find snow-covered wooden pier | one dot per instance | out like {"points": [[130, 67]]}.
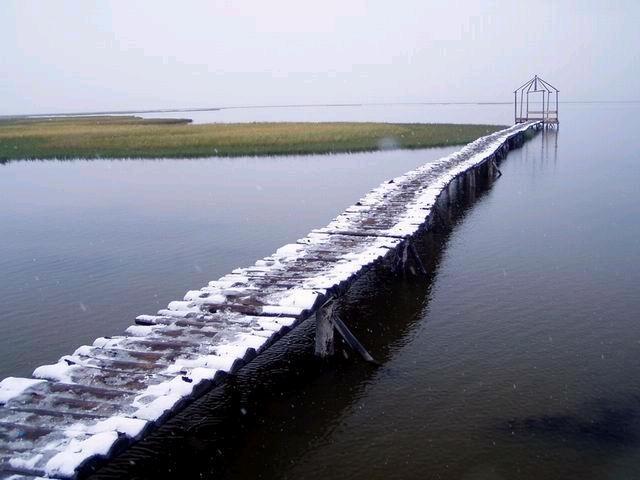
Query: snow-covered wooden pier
{"points": [[92, 404]]}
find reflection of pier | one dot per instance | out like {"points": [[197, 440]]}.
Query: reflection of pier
{"points": [[94, 403], [536, 100], [550, 142]]}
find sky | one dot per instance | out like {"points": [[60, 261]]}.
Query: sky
{"points": [[82, 56]]}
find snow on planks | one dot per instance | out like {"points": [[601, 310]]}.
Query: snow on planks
{"points": [[93, 403]]}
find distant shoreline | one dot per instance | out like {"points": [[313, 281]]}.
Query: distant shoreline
{"points": [[92, 137], [233, 107], [310, 105]]}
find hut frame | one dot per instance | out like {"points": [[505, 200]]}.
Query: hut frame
{"points": [[526, 108]]}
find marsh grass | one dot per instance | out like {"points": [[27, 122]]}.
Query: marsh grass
{"points": [[134, 137]]}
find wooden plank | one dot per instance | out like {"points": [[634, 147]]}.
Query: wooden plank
{"points": [[70, 398], [127, 381]]}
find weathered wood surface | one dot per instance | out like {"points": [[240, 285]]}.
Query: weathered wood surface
{"points": [[96, 401]]}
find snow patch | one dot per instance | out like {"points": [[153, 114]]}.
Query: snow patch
{"points": [[77, 451], [61, 372], [25, 463], [131, 427], [156, 399], [142, 330], [12, 387]]}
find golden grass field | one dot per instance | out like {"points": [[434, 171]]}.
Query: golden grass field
{"points": [[134, 137]]}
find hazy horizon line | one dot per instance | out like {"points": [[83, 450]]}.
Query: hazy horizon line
{"points": [[302, 105]]}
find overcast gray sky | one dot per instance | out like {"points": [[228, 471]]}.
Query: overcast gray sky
{"points": [[85, 56]]}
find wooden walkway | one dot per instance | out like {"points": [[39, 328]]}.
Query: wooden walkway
{"points": [[93, 403]]}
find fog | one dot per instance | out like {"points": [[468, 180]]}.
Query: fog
{"points": [[93, 56]]}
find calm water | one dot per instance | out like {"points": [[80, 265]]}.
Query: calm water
{"points": [[482, 113], [519, 358], [86, 246]]}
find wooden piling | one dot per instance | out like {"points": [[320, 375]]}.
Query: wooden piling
{"points": [[325, 328]]}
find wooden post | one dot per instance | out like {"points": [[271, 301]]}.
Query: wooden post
{"points": [[324, 330], [495, 166], [402, 263], [352, 341], [470, 184], [327, 322], [405, 257], [417, 259]]}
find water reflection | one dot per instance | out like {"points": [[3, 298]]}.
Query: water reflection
{"points": [[614, 423]]}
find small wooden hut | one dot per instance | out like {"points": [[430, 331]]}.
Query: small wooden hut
{"points": [[536, 100]]}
